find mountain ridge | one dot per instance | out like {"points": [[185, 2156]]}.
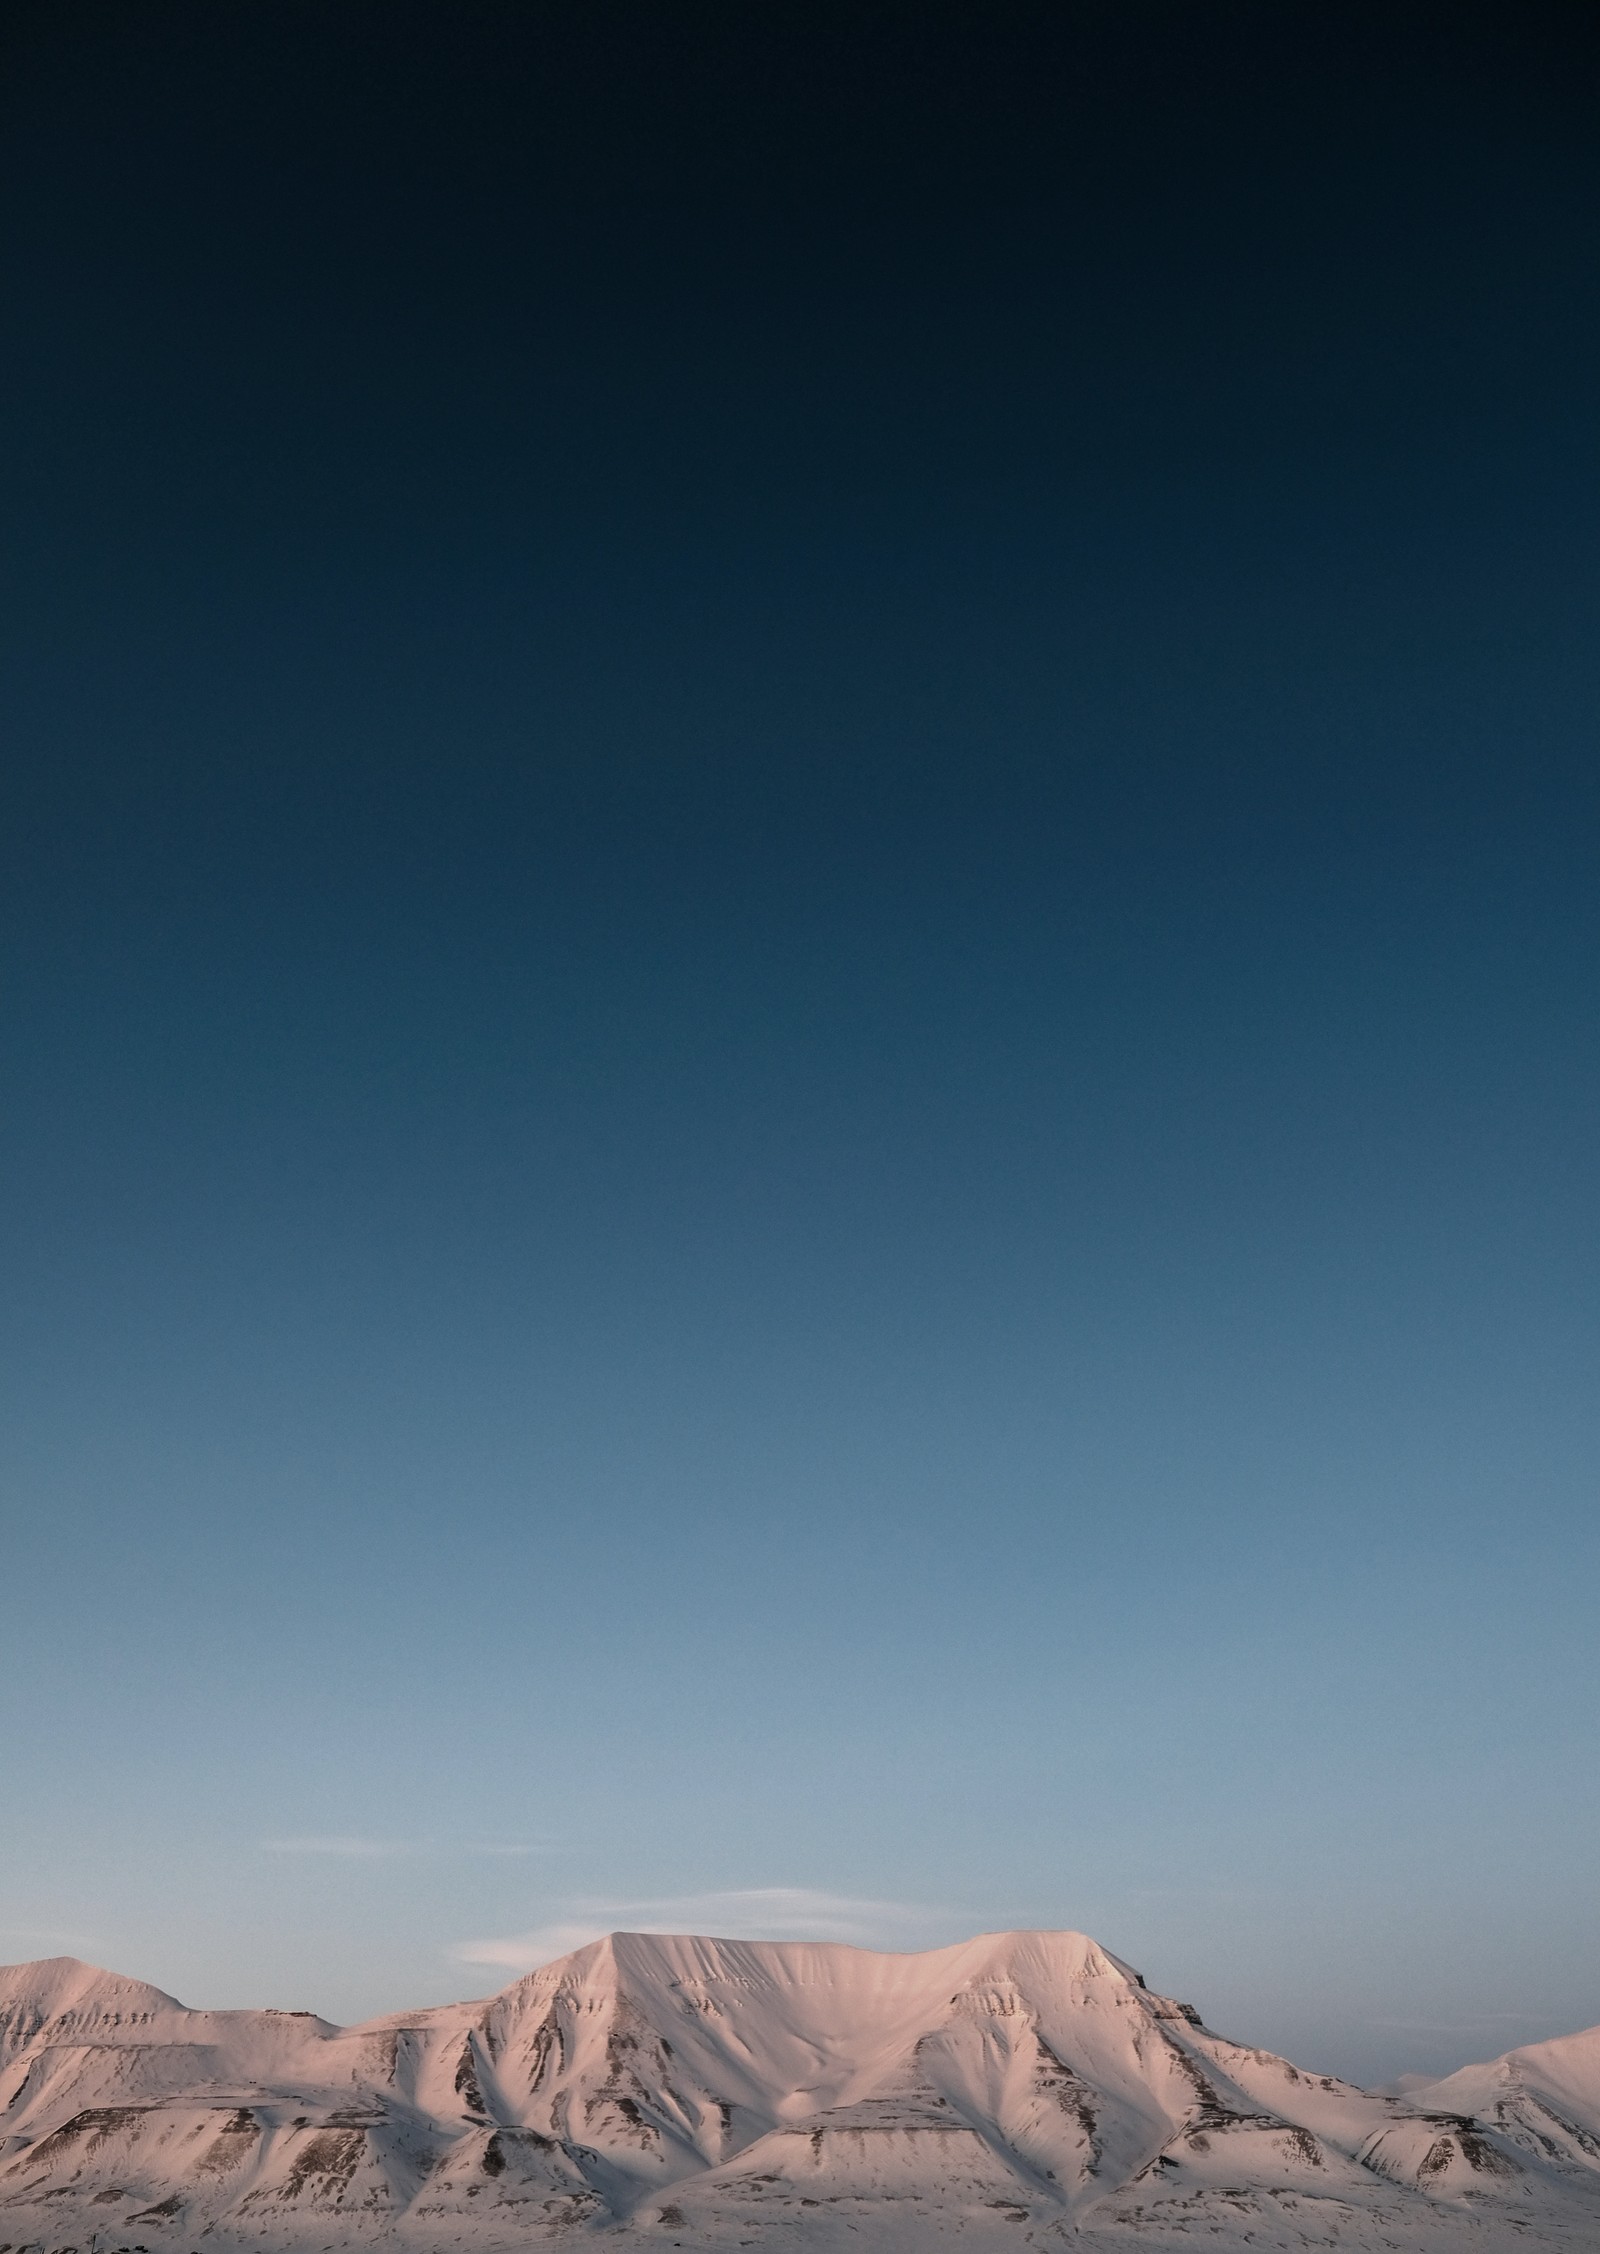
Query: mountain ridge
{"points": [[1015, 2088]]}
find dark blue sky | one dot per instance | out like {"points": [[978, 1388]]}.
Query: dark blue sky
{"points": [[799, 910]]}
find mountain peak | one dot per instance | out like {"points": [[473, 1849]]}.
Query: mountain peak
{"points": [[794, 2095], [60, 1983]]}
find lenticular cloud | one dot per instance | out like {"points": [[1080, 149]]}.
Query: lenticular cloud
{"points": [[756, 1913]]}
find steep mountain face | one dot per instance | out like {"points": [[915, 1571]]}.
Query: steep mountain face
{"points": [[670, 2091]]}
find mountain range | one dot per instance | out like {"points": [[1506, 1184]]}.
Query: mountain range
{"points": [[671, 2091]]}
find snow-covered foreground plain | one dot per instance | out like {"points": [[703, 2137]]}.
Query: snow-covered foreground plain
{"points": [[656, 2091]]}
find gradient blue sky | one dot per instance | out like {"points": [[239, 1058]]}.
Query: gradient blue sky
{"points": [[799, 912]]}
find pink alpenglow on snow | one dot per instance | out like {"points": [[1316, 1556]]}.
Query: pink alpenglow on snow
{"points": [[665, 2090]]}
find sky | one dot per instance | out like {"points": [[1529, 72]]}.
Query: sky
{"points": [[798, 1069]]}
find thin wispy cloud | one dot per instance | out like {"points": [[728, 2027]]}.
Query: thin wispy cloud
{"points": [[749, 1913], [355, 1846], [342, 1843]]}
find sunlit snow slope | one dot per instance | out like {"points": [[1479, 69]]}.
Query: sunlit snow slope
{"points": [[1021, 2088]]}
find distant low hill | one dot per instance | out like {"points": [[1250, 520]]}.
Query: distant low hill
{"points": [[1018, 2089]]}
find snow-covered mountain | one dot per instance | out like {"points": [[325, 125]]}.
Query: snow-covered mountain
{"points": [[665, 2091]]}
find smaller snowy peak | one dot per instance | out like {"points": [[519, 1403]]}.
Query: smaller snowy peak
{"points": [[1544, 2096], [1571, 2061], [57, 1984], [68, 1995], [73, 2000]]}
